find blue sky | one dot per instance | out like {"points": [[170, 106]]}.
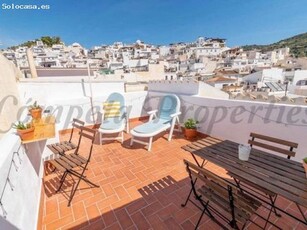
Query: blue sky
{"points": [[95, 22]]}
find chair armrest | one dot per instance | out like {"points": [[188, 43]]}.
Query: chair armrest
{"points": [[152, 112], [175, 114]]}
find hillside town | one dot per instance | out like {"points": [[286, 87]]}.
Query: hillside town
{"points": [[273, 75], [153, 115]]}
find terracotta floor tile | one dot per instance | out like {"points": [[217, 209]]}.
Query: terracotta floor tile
{"points": [[115, 226], [136, 205], [121, 192], [59, 223], [123, 218], [78, 224], [108, 217], [51, 217], [152, 209], [140, 221], [93, 212], [96, 224], [64, 210], [138, 190], [108, 190], [78, 210]]}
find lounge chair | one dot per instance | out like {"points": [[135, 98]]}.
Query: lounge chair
{"points": [[114, 118], [159, 121]]}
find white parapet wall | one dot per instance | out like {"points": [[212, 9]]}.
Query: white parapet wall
{"points": [[235, 120], [20, 184], [178, 87], [69, 98], [9, 98], [186, 88]]}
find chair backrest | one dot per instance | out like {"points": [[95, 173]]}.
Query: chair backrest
{"points": [[76, 124], [90, 134], [279, 145], [169, 104], [114, 107], [212, 180]]}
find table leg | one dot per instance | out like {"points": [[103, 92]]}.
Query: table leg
{"points": [[302, 213]]}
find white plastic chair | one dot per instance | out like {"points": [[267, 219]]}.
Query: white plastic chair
{"points": [[159, 121], [115, 118]]}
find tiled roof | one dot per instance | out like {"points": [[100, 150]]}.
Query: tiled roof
{"points": [[221, 79]]}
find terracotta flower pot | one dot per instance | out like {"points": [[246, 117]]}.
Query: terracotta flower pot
{"points": [[190, 133], [305, 167], [26, 134], [36, 113]]}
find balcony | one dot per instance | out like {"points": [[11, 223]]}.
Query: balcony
{"points": [[138, 189]]}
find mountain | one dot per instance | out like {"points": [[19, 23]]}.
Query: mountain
{"points": [[297, 45]]}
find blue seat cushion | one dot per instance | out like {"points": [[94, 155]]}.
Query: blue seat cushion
{"points": [[153, 126], [111, 124]]}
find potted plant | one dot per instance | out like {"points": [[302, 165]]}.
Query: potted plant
{"points": [[35, 111], [190, 128], [305, 165], [24, 130]]}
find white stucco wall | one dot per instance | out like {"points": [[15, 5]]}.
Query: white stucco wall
{"points": [[272, 75], [299, 75], [235, 120], [9, 98], [225, 119], [66, 99], [253, 77], [206, 90], [21, 201], [181, 87]]}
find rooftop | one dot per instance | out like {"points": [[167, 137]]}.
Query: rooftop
{"points": [[138, 190]]}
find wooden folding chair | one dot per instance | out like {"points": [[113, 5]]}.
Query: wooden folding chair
{"points": [[69, 163], [220, 199], [64, 146], [270, 144]]}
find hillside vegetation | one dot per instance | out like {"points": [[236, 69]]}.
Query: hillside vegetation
{"points": [[47, 40], [297, 45]]}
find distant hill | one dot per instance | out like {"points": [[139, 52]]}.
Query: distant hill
{"points": [[297, 45], [47, 40]]}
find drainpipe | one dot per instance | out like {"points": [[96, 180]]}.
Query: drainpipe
{"points": [[31, 63]]}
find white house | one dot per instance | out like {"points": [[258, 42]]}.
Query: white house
{"points": [[265, 75]]}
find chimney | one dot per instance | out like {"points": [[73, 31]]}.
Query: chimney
{"points": [[31, 63]]}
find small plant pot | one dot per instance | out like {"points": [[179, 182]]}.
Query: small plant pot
{"points": [[26, 134], [305, 167], [190, 133], [36, 113]]}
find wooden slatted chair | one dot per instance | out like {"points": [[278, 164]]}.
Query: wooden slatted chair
{"points": [[69, 163], [64, 146], [220, 199], [272, 144]]}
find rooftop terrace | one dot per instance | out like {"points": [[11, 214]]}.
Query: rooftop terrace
{"points": [[138, 190]]}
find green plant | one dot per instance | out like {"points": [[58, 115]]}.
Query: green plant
{"points": [[35, 106], [305, 160], [190, 123], [22, 126]]}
